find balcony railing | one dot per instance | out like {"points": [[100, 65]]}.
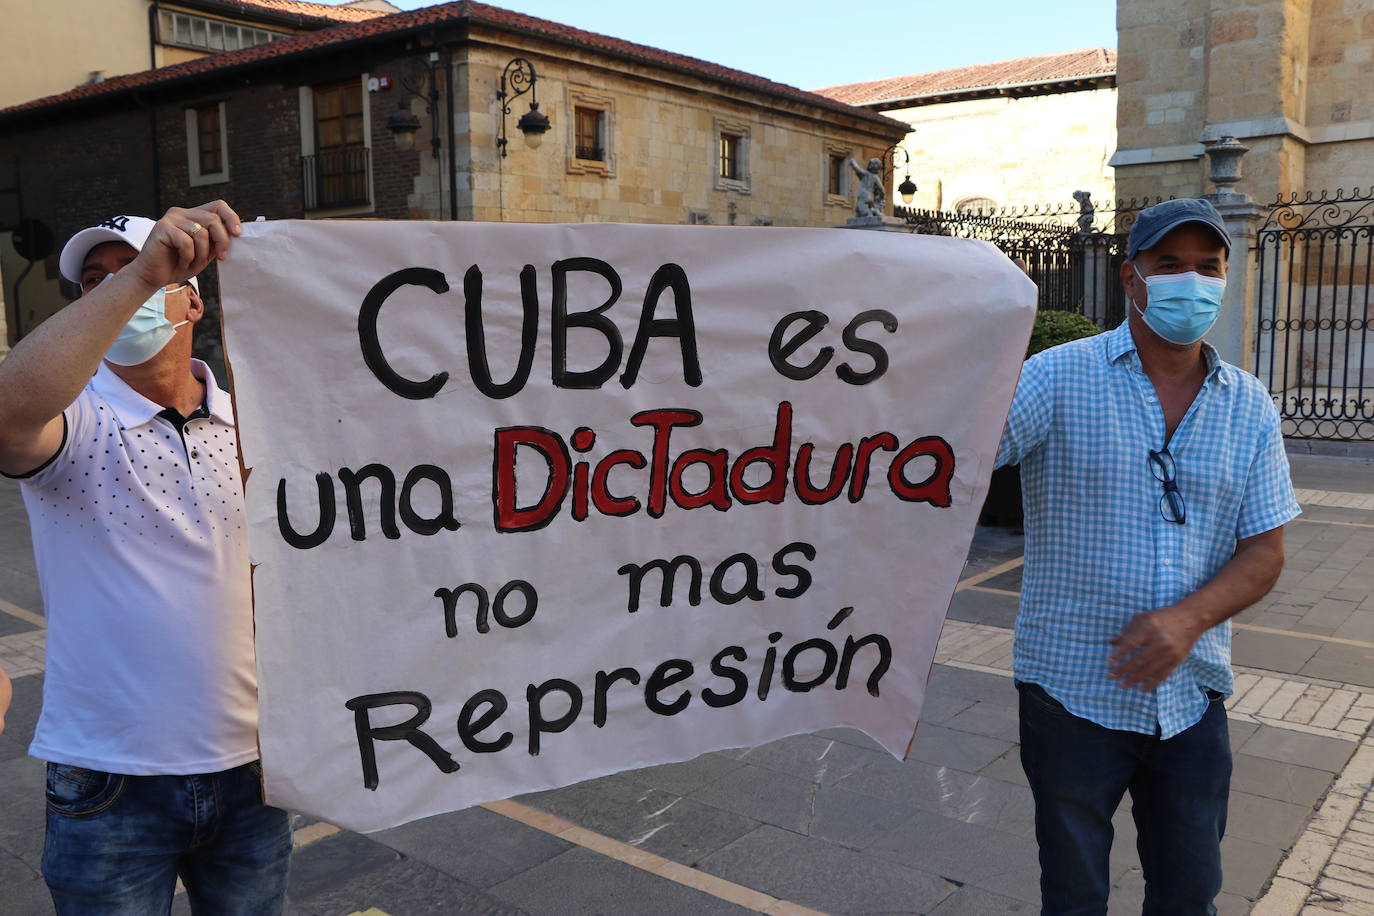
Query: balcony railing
{"points": [[336, 178], [594, 153]]}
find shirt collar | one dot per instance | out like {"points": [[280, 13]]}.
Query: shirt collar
{"points": [[1120, 342], [133, 409], [217, 400]]}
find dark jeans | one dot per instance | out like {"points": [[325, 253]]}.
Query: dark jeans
{"points": [[116, 844], [1078, 773]]}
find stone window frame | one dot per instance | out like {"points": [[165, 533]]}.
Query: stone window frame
{"points": [[961, 205], [196, 177], [306, 107], [846, 180], [742, 129], [586, 97]]}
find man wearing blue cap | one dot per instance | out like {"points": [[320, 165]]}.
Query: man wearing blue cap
{"points": [[127, 456], [1156, 489]]}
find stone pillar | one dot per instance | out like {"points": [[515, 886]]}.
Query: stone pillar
{"points": [[1098, 278], [1234, 333]]}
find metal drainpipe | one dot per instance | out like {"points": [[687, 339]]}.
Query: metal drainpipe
{"points": [[153, 10], [152, 35], [157, 160], [452, 151]]}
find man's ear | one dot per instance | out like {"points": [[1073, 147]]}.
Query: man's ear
{"points": [[195, 306], [1129, 280]]}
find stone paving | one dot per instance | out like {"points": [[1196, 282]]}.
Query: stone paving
{"points": [[1326, 709], [22, 654], [828, 822]]}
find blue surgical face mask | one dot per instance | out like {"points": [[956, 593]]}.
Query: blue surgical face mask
{"points": [[1181, 308], [146, 333]]}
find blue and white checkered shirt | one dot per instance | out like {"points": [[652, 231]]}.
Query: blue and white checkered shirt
{"points": [[1099, 550]]}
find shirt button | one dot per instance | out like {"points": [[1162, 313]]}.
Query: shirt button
{"points": [[194, 453], [1167, 562]]}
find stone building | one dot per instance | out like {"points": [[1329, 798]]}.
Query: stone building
{"points": [[1291, 79], [303, 127], [1027, 131], [65, 43]]}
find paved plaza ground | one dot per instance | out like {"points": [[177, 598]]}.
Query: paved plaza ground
{"points": [[828, 822]]}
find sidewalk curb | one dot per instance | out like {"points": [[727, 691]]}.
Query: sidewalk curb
{"points": [[1300, 874]]}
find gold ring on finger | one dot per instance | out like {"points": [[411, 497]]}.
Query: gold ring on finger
{"points": [[195, 227]]}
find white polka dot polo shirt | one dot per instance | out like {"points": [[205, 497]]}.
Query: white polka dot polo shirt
{"points": [[140, 538]]}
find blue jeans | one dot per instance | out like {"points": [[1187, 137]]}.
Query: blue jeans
{"points": [[116, 844], [1079, 772]]}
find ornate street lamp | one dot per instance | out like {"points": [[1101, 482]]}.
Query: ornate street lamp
{"points": [[907, 189], [517, 79], [403, 124]]}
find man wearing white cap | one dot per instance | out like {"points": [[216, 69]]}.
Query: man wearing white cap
{"points": [[126, 451]]}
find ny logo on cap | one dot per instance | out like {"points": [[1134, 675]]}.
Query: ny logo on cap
{"points": [[115, 222]]}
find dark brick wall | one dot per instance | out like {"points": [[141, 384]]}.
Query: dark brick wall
{"points": [[74, 173], [78, 167], [262, 145], [71, 175], [264, 142], [393, 171]]}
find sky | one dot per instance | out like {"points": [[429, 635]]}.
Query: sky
{"points": [[817, 43]]}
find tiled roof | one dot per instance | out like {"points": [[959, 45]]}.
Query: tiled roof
{"points": [[1043, 68], [447, 14], [314, 10]]}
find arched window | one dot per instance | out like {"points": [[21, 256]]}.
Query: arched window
{"points": [[975, 205]]}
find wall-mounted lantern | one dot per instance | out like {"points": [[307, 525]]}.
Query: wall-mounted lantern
{"points": [[517, 79]]}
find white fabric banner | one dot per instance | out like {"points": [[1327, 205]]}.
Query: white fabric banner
{"points": [[530, 504]]}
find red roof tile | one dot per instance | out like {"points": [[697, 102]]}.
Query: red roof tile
{"points": [[1043, 68], [428, 17]]}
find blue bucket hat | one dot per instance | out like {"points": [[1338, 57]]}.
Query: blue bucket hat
{"points": [[1161, 219]]}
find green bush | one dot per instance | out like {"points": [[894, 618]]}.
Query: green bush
{"points": [[1054, 328]]}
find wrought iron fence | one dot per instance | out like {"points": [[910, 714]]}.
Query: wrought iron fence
{"points": [[1315, 329], [336, 178], [1073, 252]]}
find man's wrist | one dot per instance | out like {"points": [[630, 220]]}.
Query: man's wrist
{"points": [[1190, 616], [138, 273], [126, 290]]}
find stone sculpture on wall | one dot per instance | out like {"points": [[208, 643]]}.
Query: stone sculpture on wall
{"points": [[868, 202]]}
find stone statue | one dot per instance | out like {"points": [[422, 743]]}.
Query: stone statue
{"points": [[869, 201], [1086, 213]]}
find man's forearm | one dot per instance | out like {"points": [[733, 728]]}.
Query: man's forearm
{"points": [[1156, 642], [48, 368], [1246, 578]]}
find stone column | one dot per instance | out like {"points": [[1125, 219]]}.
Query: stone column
{"points": [[1099, 280], [1234, 333]]}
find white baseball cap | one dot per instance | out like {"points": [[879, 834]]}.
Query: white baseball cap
{"points": [[132, 230]]}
